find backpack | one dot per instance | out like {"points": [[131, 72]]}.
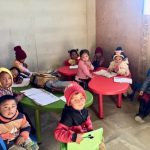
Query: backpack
{"points": [[39, 80]]}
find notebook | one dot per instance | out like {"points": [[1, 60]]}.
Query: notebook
{"points": [[73, 67], [88, 143], [40, 96], [123, 80], [105, 73]]}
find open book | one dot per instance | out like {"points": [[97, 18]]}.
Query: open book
{"points": [[40, 96], [91, 141], [73, 67], [105, 73], [123, 80]]}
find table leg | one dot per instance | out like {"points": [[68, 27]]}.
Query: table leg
{"points": [[38, 125], [119, 102], [100, 105]]}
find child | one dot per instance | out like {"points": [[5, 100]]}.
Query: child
{"points": [[98, 59], [85, 67], [74, 58], [118, 65], [14, 128], [17, 78], [118, 51], [6, 81], [75, 120], [144, 97], [20, 61]]}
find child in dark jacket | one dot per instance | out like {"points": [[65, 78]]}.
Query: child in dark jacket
{"points": [[144, 97], [14, 128], [98, 59], [75, 119]]}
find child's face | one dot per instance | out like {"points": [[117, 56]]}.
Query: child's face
{"points": [[98, 55], [85, 57], [15, 73], [118, 59], [8, 108], [77, 101], [74, 55], [5, 80]]}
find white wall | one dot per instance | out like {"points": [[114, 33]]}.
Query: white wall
{"points": [[46, 29]]}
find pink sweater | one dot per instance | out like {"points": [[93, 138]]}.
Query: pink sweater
{"points": [[84, 70]]}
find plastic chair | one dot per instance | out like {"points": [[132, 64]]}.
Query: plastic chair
{"points": [[2, 145], [137, 86]]}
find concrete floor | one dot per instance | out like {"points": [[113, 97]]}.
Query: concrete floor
{"points": [[121, 131]]}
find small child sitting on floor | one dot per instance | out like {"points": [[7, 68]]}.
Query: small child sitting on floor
{"points": [[14, 128], [20, 61], [144, 97], [74, 58], [75, 119]]}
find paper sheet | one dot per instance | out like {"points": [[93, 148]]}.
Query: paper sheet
{"points": [[105, 73], [123, 80], [87, 143], [40, 96], [73, 67], [63, 98]]}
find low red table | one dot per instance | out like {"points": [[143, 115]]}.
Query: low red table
{"points": [[106, 86], [66, 71]]}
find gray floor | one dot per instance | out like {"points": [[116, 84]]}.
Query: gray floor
{"points": [[121, 131]]}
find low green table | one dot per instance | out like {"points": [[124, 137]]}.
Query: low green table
{"points": [[54, 107]]}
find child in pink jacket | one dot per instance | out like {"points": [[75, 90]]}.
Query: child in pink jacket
{"points": [[85, 68]]}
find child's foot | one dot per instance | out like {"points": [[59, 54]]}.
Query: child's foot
{"points": [[139, 119]]}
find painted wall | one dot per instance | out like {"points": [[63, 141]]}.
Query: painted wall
{"points": [[122, 23], [45, 30]]}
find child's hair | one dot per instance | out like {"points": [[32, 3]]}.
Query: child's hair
{"points": [[84, 51], [6, 98], [20, 53], [73, 50]]}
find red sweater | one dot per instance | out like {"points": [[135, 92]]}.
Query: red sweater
{"points": [[72, 123]]}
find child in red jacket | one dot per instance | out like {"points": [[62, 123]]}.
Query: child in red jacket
{"points": [[75, 119]]}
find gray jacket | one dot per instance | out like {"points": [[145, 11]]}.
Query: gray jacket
{"points": [[146, 85]]}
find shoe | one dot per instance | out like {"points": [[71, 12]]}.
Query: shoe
{"points": [[139, 119]]}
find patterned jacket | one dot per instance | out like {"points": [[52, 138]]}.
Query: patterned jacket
{"points": [[72, 123], [122, 68], [10, 129]]}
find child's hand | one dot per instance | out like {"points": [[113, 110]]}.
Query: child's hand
{"points": [[79, 138], [19, 97], [109, 70], [141, 93], [20, 140]]}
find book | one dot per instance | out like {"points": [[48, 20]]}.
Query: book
{"points": [[105, 73], [88, 143], [123, 80], [40, 96], [73, 67]]}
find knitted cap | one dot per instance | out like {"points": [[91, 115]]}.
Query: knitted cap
{"points": [[99, 50], [72, 89], [20, 53], [2, 69]]}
